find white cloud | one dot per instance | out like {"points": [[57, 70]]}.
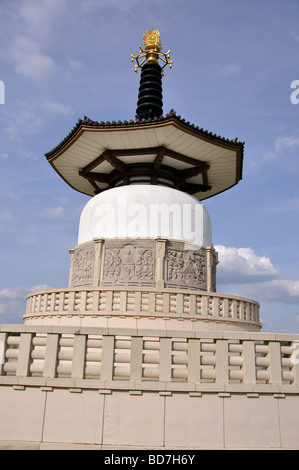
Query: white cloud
{"points": [[29, 120], [278, 290], [15, 293], [13, 196], [54, 212], [40, 17], [243, 272], [28, 155], [230, 69], [37, 13], [241, 265], [282, 146], [60, 199], [31, 37], [40, 287], [91, 5], [295, 36], [26, 122], [65, 211], [6, 215], [286, 142], [29, 60], [287, 205], [75, 65], [57, 108], [13, 303]]}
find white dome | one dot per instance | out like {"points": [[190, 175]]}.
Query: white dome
{"points": [[145, 211]]}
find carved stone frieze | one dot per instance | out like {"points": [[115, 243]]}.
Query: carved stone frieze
{"points": [[185, 268], [154, 263], [83, 265], [129, 262]]}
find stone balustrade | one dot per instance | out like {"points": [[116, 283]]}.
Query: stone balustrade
{"points": [[100, 358], [187, 309]]}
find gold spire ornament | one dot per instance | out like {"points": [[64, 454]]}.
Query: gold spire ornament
{"points": [[152, 51]]}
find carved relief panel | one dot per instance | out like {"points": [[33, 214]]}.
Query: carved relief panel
{"points": [[185, 268], [129, 263], [134, 263], [83, 265]]}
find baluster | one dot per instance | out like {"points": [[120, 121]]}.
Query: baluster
{"points": [[107, 363], [24, 355], [221, 361], [194, 360], [248, 354], [165, 359], [275, 362], [51, 355], [79, 353], [225, 308], [136, 358]]}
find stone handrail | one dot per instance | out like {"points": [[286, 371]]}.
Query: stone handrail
{"points": [[141, 359], [126, 301]]}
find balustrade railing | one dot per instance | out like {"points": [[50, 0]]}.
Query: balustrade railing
{"points": [[126, 301], [120, 355]]}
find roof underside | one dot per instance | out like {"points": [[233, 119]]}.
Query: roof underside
{"points": [[95, 156]]}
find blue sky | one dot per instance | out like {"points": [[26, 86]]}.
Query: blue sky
{"points": [[234, 62]]}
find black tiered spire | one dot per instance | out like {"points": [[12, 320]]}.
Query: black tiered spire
{"points": [[150, 104]]}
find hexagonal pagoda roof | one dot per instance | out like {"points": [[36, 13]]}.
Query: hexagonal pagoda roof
{"points": [[96, 156]]}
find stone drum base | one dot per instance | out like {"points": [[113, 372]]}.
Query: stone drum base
{"points": [[132, 307]]}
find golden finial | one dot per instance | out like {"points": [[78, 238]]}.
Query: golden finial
{"points": [[152, 51]]}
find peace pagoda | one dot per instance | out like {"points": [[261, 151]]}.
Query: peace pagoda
{"points": [[140, 351]]}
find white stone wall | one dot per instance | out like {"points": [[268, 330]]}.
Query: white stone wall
{"points": [[118, 388], [55, 418]]}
